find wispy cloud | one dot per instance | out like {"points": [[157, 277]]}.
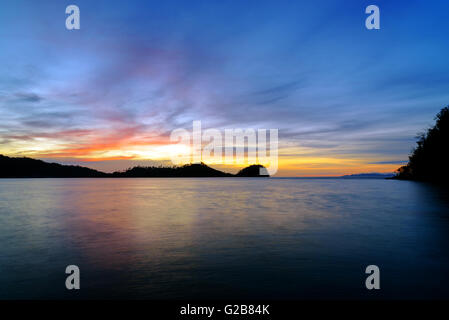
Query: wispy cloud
{"points": [[135, 72]]}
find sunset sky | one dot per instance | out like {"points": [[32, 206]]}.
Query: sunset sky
{"points": [[345, 99]]}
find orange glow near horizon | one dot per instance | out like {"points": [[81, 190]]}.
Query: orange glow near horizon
{"points": [[122, 148], [95, 156]]}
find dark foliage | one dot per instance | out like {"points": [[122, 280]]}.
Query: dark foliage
{"points": [[430, 157]]}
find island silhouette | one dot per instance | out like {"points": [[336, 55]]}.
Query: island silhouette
{"points": [[31, 168], [429, 159]]}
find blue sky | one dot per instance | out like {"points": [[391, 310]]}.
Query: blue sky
{"points": [[345, 99]]}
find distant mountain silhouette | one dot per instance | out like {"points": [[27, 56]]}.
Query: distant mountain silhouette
{"points": [[373, 175], [430, 158], [31, 168]]}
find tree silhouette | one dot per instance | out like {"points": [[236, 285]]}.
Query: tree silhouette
{"points": [[430, 157]]}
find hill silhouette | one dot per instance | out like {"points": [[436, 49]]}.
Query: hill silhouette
{"points": [[429, 159], [32, 168], [255, 170], [188, 170]]}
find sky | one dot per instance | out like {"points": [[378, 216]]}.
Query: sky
{"points": [[345, 99]]}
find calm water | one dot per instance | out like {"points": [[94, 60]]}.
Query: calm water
{"points": [[222, 238]]}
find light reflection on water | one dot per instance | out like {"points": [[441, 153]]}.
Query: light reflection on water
{"points": [[222, 238]]}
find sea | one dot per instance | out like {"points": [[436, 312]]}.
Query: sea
{"points": [[223, 238]]}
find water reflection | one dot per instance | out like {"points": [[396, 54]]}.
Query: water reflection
{"points": [[215, 238]]}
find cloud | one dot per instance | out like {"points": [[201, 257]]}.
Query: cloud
{"points": [[390, 162], [28, 97]]}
